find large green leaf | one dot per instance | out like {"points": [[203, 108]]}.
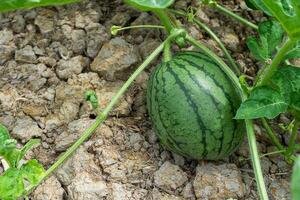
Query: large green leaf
{"points": [[294, 53], [8, 5], [287, 79], [287, 13], [11, 184], [270, 36], [258, 5], [4, 135], [295, 184], [148, 5], [32, 171], [262, 102]]}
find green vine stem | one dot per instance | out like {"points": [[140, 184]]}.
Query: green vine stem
{"points": [[214, 4], [115, 29], [167, 52], [249, 123], [293, 138], [165, 19], [271, 134], [102, 116], [214, 36], [269, 70]]}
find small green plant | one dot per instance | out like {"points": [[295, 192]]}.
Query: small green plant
{"points": [[19, 176], [276, 88]]}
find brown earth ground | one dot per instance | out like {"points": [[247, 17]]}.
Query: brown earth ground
{"points": [[50, 56]]}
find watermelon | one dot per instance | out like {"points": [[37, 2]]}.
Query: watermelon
{"points": [[192, 103]]}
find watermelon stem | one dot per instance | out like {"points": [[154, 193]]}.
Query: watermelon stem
{"points": [[268, 71], [293, 138], [213, 35], [167, 52], [165, 19], [102, 116], [249, 123], [115, 29], [214, 4]]}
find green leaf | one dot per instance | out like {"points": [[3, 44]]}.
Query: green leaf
{"points": [[295, 184], [91, 96], [262, 102], [260, 53], [293, 53], [287, 12], [287, 80], [29, 145], [9, 152], [4, 135], [8, 5], [270, 36], [32, 171], [148, 5], [11, 184], [258, 5]]}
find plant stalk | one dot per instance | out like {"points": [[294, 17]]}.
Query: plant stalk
{"points": [[226, 11], [269, 70], [101, 117], [167, 52], [249, 123], [255, 161], [116, 29], [214, 36], [271, 134], [165, 19], [293, 138]]}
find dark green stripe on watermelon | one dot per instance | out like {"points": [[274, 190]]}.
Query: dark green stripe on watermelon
{"points": [[191, 103]]}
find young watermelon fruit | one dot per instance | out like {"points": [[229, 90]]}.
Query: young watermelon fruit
{"points": [[191, 103]]}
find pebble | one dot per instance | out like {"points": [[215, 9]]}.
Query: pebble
{"points": [[218, 182], [25, 129], [67, 68], [26, 55], [49, 190], [169, 177], [115, 59]]}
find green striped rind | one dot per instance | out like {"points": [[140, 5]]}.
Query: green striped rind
{"points": [[192, 103]]}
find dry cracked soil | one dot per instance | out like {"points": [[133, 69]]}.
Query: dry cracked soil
{"points": [[50, 56]]}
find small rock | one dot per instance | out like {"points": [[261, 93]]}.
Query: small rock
{"points": [[108, 155], [18, 24], [115, 59], [169, 177], [69, 110], [178, 159], [49, 190], [66, 68], [78, 40], [75, 130], [218, 182], [6, 53], [188, 192], [45, 21], [86, 186], [6, 36], [81, 161], [50, 62], [96, 36], [35, 110], [26, 55], [232, 41], [25, 129], [157, 195], [280, 189], [119, 192]]}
